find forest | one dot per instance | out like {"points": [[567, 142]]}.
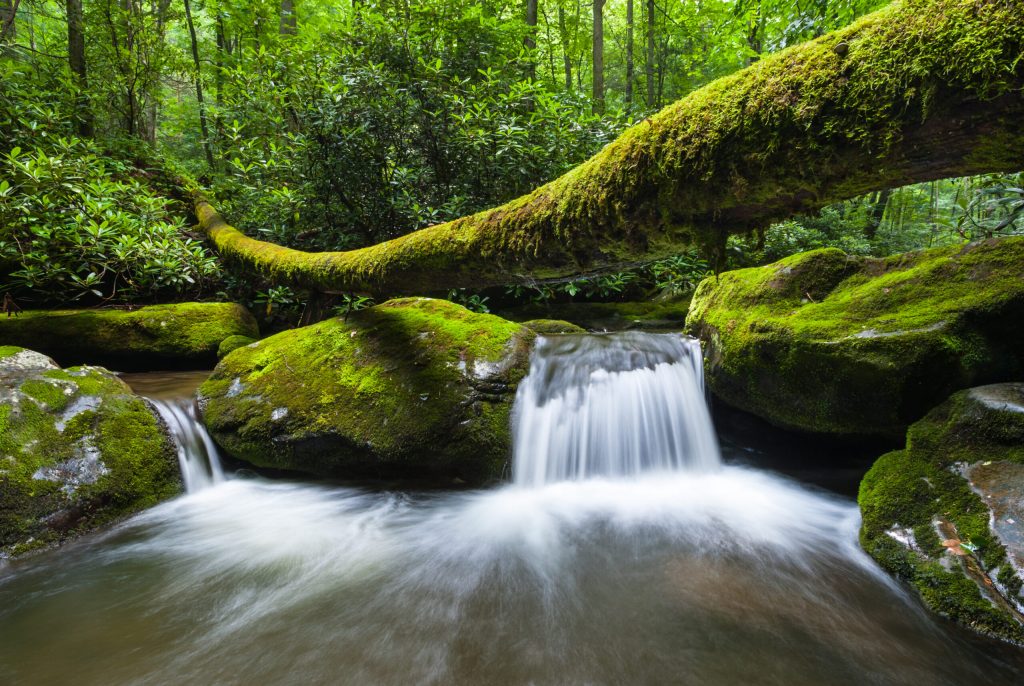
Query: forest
{"points": [[535, 342]]}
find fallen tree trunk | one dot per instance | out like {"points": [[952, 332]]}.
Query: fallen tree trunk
{"points": [[920, 90]]}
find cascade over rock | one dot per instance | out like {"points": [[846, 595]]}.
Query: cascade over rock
{"points": [[946, 514], [828, 343], [409, 388], [77, 450]]}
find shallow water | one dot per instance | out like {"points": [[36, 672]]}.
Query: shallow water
{"points": [[725, 575]]}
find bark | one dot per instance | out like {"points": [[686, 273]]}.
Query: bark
{"points": [[203, 128], [76, 61], [566, 56], [531, 37], [920, 90], [629, 55], [598, 60], [8, 27], [649, 62]]}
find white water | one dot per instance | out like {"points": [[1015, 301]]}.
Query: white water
{"points": [[600, 565], [612, 406], [197, 453]]}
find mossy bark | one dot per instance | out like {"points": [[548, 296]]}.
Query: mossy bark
{"points": [[920, 90]]}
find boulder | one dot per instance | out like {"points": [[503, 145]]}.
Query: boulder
{"points": [[828, 343], [946, 514], [175, 336], [552, 326], [411, 388], [77, 450]]}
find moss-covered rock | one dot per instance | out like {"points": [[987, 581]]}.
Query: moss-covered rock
{"points": [[181, 335], [612, 316], [552, 326], [410, 388], [77, 450], [946, 514], [232, 343], [829, 343]]}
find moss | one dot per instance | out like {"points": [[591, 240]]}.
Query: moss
{"points": [[552, 326], [923, 484], [925, 89], [827, 343], [233, 343], [53, 423], [157, 336], [409, 387], [668, 314]]}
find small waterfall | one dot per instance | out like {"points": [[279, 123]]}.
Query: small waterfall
{"points": [[612, 406], [197, 453]]}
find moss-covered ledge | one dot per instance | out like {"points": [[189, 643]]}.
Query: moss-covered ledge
{"points": [[827, 343], [175, 336], [920, 90], [946, 514]]}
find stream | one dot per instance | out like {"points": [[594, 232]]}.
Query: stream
{"points": [[627, 549]]}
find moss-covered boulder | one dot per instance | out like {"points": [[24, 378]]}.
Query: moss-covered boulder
{"points": [[652, 315], [946, 514], [552, 326], [410, 388], [176, 336], [77, 450], [232, 343], [829, 343]]}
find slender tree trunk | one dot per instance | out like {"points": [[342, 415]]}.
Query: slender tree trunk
{"points": [[877, 213], [8, 27], [76, 61], [531, 38], [566, 55], [598, 79], [222, 49], [629, 55], [289, 23], [649, 62], [204, 129], [754, 35]]}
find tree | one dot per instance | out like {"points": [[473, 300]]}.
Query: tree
{"points": [[649, 62], [629, 55], [76, 61], [531, 37], [598, 62], [204, 129]]}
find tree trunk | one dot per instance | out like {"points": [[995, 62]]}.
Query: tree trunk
{"points": [[531, 38], [203, 128], [877, 213], [629, 55], [755, 29], [804, 129], [566, 56], [8, 26], [76, 61], [649, 63], [598, 79], [289, 22]]}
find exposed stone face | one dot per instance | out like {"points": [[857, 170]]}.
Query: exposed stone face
{"points": [[946, 514], [410, 388], [181, 335], [828, 343], [77, 450]]}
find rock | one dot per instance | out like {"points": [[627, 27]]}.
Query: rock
{"points": [[828, 343], [410, 388], [946, 514], [77, 450], [232, 343], [552, 326], [655, 314], [181, 335]]}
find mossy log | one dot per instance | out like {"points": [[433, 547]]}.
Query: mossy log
{"points": [[920, 90]]}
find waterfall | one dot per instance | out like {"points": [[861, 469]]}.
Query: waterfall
{"points": [[611, 406], [197, 453]]}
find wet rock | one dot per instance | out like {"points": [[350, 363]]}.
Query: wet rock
{"points": [[828, 343], [407, 389], [946, 514], [77, 450]]}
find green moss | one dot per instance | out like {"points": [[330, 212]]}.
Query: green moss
{"points": [[233, 343], [917, 94], [552, 326], [175, 335], [916, 487], [827, 343], [606, 316], [50, 419], [410, 386]]}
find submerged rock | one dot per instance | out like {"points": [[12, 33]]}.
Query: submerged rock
{"points": [[829, 343], [946, 514], [180, 335], [410, 388], [77, 450]]}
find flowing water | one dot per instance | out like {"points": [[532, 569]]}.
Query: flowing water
{"points": [[664, 566]]}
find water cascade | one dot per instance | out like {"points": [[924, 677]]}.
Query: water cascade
{"points": [[197, 453], [612, 406]]}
